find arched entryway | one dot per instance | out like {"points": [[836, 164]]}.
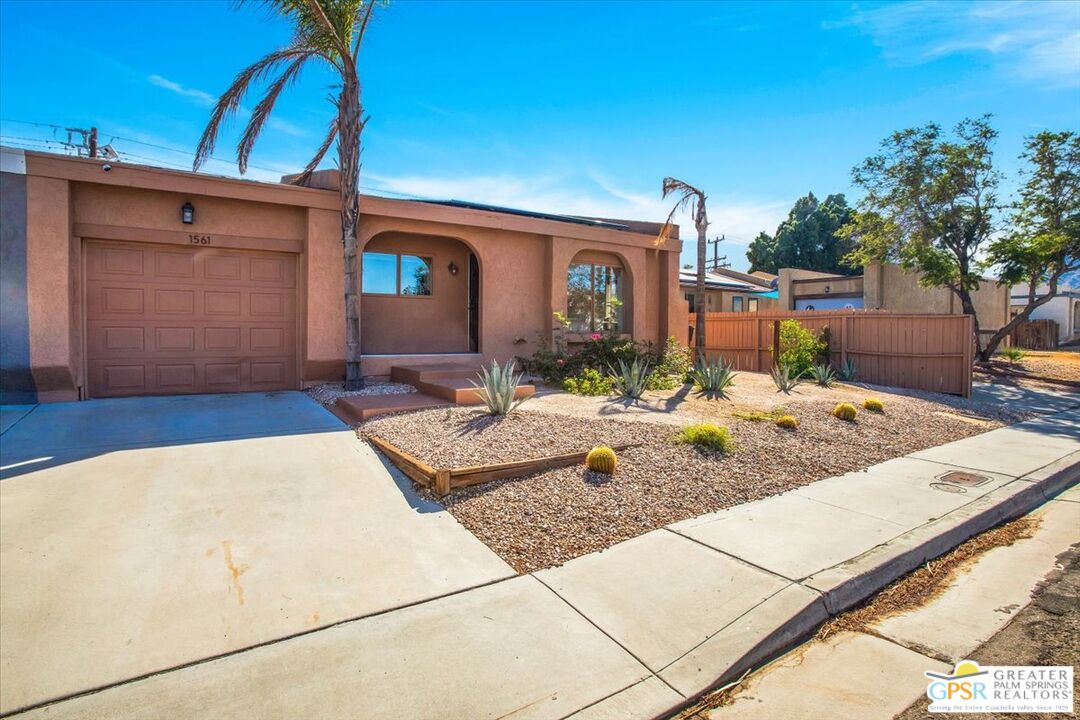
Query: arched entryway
{"points": [[420, 294]]}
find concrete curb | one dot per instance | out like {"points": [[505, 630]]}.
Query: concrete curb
{"points": [[845, 585]]}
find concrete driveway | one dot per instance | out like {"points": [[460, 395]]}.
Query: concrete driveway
{"points": [[144, 534]]}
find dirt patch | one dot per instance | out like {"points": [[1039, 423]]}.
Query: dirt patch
{"points": [[929, 581], [551, 517], [1046, 632]]}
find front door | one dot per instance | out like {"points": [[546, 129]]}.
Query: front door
{"points": [[474, 304]]}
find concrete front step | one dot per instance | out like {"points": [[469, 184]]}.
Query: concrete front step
{"points": [[413, 374], [449, 381], [359, 408], [462, 391]]}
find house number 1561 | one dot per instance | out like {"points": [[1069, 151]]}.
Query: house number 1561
{"points": [[199, 239]]}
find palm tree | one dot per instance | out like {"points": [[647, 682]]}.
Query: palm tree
{"points": [[690, 196], [330, 31]]}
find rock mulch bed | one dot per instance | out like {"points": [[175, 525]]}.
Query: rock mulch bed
{"points": [[328, 393], [551, 517]]}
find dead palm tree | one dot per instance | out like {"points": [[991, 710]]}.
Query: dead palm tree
{"points": [[329, 31], [690, 196]]}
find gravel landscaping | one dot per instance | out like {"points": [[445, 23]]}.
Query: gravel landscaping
{"points": [[551, 517], [328, 393]]}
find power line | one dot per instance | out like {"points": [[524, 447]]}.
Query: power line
{"points": [[182, 152]]}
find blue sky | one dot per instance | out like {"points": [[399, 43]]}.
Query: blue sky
{"points": [[579, 108]]}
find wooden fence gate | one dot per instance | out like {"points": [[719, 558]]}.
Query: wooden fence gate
{"points": [[923, 352]]}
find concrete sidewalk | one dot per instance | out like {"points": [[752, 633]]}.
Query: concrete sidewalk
{"points": [[637, 629], [879, 673]]}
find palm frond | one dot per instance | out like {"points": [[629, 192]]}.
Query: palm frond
{"points": [[262, 111], [368, 7], [327, 143], [229, 102], [688, 195]]}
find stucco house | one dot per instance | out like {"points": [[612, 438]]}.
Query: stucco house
{"points": [[121, 279], [1063, 308], [728, 290]]}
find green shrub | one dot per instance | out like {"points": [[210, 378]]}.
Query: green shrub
{"points": [[784, 377], [497, 388], [845, 411], [874, 405], [631, 379], [800, 349], [788, 422], [713, 378], [706, 435], [1012, 354], [601, 459], [672, 366], [589, 382]]}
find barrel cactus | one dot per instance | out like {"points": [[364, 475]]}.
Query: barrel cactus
{"points": [[845, 411], [601, 459], [874, 405], [788, 422]]}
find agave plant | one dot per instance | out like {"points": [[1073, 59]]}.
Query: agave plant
{"points": [[714, 378], [785, 377], [847, 370], [823, 375], [631, 380], [497, 387]]}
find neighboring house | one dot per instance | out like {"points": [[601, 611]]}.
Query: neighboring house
{"points": [[108, 290], [729, 291], [888, 287], [1063, 308]]}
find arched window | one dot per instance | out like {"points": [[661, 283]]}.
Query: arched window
{"points": [[594, 293]]}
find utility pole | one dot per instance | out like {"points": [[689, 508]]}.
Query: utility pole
{"points": [[93, 143], [718, 261]]}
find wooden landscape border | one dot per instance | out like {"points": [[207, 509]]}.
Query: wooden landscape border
{"points": [[443, 480]]}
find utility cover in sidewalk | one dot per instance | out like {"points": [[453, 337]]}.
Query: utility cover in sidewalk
{"points": [[963, 479]]}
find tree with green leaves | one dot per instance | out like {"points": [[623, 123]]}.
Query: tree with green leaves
{"points": [[330, 32], [693, 199], [1043, 243], [930, 205], [807, 239], [762, 253]]}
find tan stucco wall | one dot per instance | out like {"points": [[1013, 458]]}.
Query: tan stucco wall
{"points": [[50, 287], [523, 264], [889, 287], [436, 323], [324, 311]]}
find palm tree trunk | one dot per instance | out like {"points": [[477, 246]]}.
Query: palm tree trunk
{"points": [[349, 165], [699, 295]]}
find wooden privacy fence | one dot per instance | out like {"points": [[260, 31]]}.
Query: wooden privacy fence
{"points": [[923, 352], [1035, 335]]}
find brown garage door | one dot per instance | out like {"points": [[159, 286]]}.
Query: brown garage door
{"points": [[165, 319]]}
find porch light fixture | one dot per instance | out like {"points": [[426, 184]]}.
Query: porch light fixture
{"points": [[187, 213], [452, 267]]}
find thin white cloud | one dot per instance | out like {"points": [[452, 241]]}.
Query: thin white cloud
{"points": [[205, 99], [1027, 40], [202, 98]]}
